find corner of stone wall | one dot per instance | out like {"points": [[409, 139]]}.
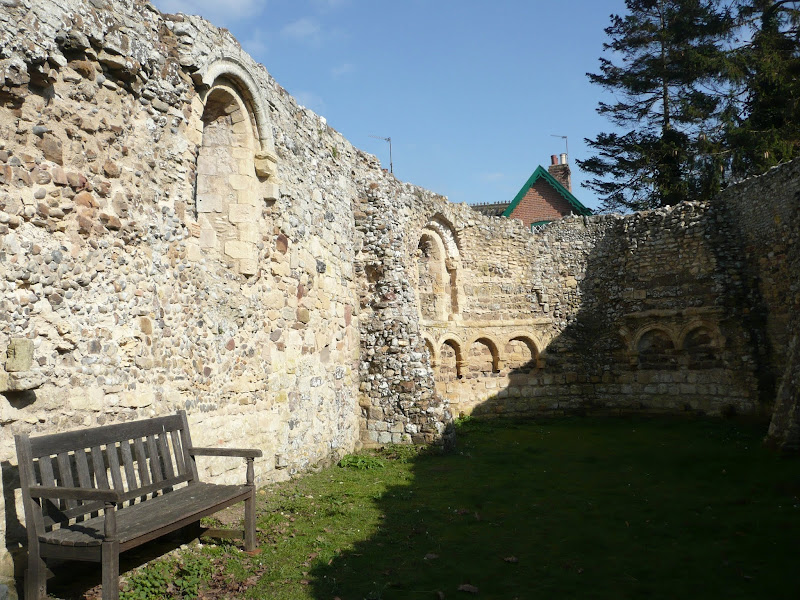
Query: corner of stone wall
{"points": [[397, 394]]}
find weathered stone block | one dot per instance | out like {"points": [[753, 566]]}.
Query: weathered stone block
{"points": [[271, 191], [265, 164], [239, 250], [240, 213], [19, 355], [248, 266]]}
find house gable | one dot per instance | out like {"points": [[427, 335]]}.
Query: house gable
{"points": [[543, 199]]}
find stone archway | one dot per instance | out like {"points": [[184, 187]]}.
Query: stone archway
{"points": [[438, 266], [235, 178]]}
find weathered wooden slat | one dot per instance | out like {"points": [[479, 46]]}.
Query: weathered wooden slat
{"points": [[100, 475], [141, 461], [177, 451], [112, 453], [82, 463], [153, 515], [107, 434], [154, 487], [77, 493], [166, 457], [155, 463], [50, 512], [81, 510], [239, 452], [65, 477], [127, 461], [186, 442], [46, 471]]}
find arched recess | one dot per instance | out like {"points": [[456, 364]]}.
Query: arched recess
{"points": [[431, 348], [236, 169], [232, 70], [701, 345], [484, 358], [431, 274], [438, 265], [655, 349], [450, 361], [520, 354]]}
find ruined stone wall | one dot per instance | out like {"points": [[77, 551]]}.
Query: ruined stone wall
{"points": [[598, 314], [653, 312], [764, 219], [175, 233], [684, 309]]}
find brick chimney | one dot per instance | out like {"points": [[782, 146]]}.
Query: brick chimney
{"points": [[559, 169]]}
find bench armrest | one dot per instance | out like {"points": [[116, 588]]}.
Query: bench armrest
{"points": [[237, 452], [72, 493]]}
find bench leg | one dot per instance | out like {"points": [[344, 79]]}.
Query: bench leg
{"points": [[110, 558], [250, 523], [35, 578]]}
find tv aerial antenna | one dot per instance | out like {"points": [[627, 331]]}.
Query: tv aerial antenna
{"points": [[566, 142], [386, 139]]}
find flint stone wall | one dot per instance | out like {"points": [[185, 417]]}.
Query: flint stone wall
{"points": [[177, 233], [133, 302], [689, 309]]}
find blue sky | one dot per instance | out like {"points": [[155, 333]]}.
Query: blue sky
{"points": [[470, 91]]}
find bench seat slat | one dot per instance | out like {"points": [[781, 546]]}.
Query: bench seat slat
{"points": [[91, 506], [153, 515]]}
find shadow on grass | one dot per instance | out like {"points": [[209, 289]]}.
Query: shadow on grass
{"points": [[612, 508]]}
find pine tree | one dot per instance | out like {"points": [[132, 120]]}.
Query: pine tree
{"points": [[767, 130], [667, 52]]}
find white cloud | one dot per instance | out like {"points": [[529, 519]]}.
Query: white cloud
{"points": [[304, 30], [342, 69]]}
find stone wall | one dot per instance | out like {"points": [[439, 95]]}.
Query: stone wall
{"points": [[177, 233], [763, 216], [690, 309]]}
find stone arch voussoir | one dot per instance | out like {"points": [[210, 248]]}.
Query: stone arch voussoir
{"points": [[233, 71]]}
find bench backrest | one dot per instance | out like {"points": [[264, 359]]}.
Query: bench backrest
{"points": [[140, 458]]}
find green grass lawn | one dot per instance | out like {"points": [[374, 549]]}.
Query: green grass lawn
{"points": [[572, 508]]}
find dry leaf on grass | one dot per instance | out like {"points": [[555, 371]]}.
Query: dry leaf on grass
{"points": [[466, 587]]}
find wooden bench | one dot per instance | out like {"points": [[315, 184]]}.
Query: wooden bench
{"points": [[94, 493]]}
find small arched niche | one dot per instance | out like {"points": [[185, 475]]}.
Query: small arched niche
{"points": [[656, 350], [483, 358], [521, 355], [450, 361], [702, 349]]}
